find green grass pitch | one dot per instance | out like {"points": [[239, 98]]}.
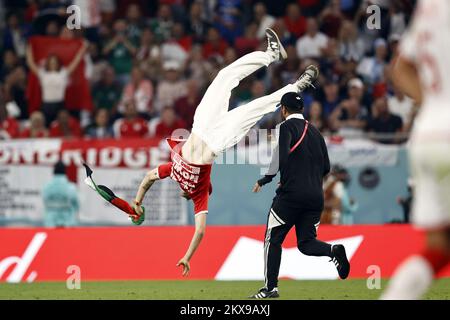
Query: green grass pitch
{"points": [[198, 290]]}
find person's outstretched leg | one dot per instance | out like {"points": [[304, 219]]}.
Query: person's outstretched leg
{"points": [[215, 101], [234, 125], [308, 244]]}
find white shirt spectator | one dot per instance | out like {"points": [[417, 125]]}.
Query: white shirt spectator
{"points": [[311, 47], [172, 51], [168, 93], [401, 107], [53, 85]]}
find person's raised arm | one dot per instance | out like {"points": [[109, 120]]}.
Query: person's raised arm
{"points": [[200, 227], [161, 172], [76, 61], [30, 60]]}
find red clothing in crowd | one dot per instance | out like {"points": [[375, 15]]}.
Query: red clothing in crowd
{"points": [[244, 45], [296, 27], [163, 131], [210, 49], [185, 43], [10, 126], [26, 133], [132, 128], [58, 131]]}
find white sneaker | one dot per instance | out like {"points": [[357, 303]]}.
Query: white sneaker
{"points": [[307, 78], [274, 46]]}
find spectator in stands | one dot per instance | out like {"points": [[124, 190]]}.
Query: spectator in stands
{"points": [[131, 125], [54, 79], [186, 105], [10, 62], [65, 126], [148, 47], [140, 90], [14, 36], [101, 129], [107, 92], [163, 22], [60, 197], [356, 91], [148, 56], [36, 128], [316, 117], [397, 18], [171, 87], [372, 69], [135, 23], [338, 207], [294, 21], [384, 122], [196, 25], [197, 67], [311, 7], [262, 19], [228, 19], [9, 127], [214, 44], [176, 48], [313, 43], [331, 98], [351, 46], [52, 29], [168, 123], [120, 52], [14, 93], [349, 119], [331, 19]]}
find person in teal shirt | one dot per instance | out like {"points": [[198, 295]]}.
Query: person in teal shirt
{"points": [[60, 200]]}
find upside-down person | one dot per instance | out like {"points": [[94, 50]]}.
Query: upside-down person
{"points": [[216, 129]]}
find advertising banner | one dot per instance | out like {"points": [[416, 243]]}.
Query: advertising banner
{"points": [[227, 253], [26, 166]]}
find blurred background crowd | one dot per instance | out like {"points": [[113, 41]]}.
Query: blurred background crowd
{"points": [[147, 64]]}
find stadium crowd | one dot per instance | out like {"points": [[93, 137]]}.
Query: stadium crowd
{"points": [[148, 63]]}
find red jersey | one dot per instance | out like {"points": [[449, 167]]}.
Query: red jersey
{"points": [[134, 128], [10, 126], [194, 179]]}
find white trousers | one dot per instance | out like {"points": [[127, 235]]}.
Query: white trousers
{"points": [[221, 129]]}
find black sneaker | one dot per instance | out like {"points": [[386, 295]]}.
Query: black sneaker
{"points": [[274, 45], [339, 258], [263, 293]]}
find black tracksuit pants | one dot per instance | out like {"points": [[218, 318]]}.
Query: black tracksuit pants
{"points": [[280, 221]]}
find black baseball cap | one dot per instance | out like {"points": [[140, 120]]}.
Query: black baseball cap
{"points": [[292, 101]]}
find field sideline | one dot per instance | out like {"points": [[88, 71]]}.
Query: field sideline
{"points": [[198, 290]]}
